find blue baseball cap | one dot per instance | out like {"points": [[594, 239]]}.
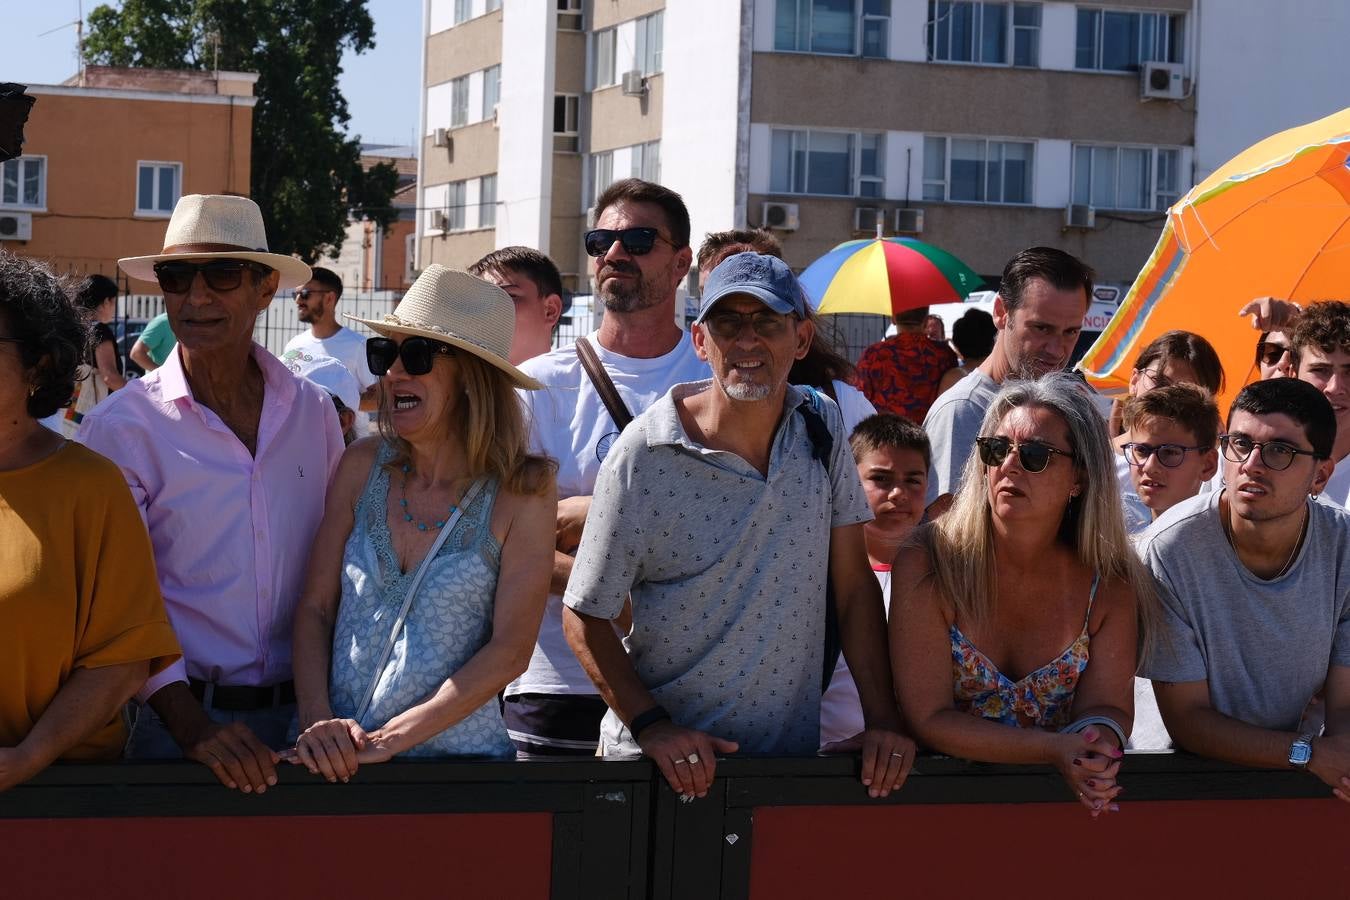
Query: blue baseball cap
{"points": [[766, 278]]}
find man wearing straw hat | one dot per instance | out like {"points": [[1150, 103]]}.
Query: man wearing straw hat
{"points": [[229, 455]]}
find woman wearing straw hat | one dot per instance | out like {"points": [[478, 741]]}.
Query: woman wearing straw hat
{"points": [[428, 578]]}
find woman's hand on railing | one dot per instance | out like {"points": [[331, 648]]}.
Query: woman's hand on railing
{"points": [[331, 748], [1090, 761]]}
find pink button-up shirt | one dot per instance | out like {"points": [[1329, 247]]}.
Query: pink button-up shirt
{"points": [[231, 532]]}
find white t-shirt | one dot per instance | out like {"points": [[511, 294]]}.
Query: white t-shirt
{"points": [[569, 422], [853, 404], [348, 348], [1337, 491], [841, 715]]}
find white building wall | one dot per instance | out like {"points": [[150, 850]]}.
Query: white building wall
{"points": [[1052, 167], [1059, 35], [525, 145], [909, 21], [701, 111], [904, 156], [763, 25], [1264, 67], [442, 15], [438, 107], [434, 197]]}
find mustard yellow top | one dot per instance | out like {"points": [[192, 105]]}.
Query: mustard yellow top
{"points": [[77, 589]]}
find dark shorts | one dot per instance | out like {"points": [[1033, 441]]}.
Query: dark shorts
{"points": [[554, 724]]}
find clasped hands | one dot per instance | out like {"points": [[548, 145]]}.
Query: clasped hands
{"points": [[335, 748], [1090, 762]]}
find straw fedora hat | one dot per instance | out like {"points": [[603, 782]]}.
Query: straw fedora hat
{"points": [[214, 226], [455, 308]]}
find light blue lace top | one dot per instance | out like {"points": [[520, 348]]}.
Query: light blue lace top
{"points": [[450, 620]]}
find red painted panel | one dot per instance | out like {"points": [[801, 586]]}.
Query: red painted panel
{"points": [[1246, 848], [242, 858]]}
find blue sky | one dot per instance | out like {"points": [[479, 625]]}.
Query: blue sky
{"points": [[381, 85]]}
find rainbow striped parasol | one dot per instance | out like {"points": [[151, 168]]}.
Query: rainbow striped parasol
{"points": [[886, 276]]}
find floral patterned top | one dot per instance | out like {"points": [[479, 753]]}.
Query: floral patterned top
{"points": [[901, 374], [1041, 699], [450, 620]]}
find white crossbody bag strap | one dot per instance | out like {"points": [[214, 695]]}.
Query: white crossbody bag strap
{"points": [[469, 496]]}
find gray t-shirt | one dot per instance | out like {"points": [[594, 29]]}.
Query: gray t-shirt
{"points": [[727, 571], [1264, 646], [953, 424]]}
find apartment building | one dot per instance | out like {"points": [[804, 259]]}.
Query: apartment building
{"points": [[108, 154], [371, 260], [982, 126]]}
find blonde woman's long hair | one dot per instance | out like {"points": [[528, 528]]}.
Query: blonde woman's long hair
{"points": [[961, 543], [491, 425]]}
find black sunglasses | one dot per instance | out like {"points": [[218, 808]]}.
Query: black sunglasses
{"points": [[636, 241], [1170, 455], [220, 275], [728, 325], [1033, 456], [417, 353], [1275, 455], [1269, 353], [305, 293]]}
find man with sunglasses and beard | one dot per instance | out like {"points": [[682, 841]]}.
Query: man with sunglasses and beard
{"points": [[1038, 313], [316, 305], [228, 455], [724, 511], [1255, 588], [640, 245]]}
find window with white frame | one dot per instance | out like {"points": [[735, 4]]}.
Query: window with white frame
{"points": [[459, 101], [986, 32], [605, 58], [157, 187], [1128, 178], [569, 15], [646, 161], [602, 173], [566, 122], [487, 201], [456, 202], [977, 170], [832, 163], [815, 26], [876, 28], [649, 43], [23, 183], [1121, 41], [463, 11], [492, 90]]}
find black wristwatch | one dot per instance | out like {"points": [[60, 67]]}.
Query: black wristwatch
{"points": [[1300, 752], [647, 719]]}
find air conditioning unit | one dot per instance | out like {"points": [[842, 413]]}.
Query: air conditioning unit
{"points": [[1080, 215], [441, 138], [16, 227], [496, 115], [868, 218], [909, 221], [1161, 81], [634, 84], [779, 216], [440, 221]]}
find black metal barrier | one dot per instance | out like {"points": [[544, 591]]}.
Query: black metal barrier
{"points": [[768, 828]]}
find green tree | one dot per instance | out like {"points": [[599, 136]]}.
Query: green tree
{"points": [[306, 171]]}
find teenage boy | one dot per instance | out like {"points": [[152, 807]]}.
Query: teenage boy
{"points": [[892, 456], [1171, 449], [1254, 583]]}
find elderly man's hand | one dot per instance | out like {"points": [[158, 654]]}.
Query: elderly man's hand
{"points": [[887, 757], [16, 767], [1331, 763], [686, 757], [235, 755]]}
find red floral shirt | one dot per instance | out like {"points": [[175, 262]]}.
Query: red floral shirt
{"points": [[900, 375]]}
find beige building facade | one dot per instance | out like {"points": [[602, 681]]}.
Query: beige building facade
{"points": [[981, 127]]}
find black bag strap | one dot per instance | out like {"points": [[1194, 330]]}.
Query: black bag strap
{"points": [[604, 385], [822, 448]]}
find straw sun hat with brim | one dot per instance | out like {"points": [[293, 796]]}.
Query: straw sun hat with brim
{"points": [[214, 226], [455, 308]]}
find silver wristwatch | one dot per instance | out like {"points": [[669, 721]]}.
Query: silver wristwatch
{"points": [[1300, 752]]}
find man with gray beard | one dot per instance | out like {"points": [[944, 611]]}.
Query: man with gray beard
{"points": [[641, 249], [726, 509]]}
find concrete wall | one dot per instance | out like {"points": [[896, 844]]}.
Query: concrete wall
{"points": [[607, 13], [525, 191], [466, 48], [90, 218]]}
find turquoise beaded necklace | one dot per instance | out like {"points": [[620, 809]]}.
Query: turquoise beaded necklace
{"points": [[408, 517]]}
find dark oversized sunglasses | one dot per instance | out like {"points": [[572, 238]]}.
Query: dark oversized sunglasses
{"points": [[636, 241], [728, 325], [417, 353], [1033, 455], [1170, 455], [220, 275], [1275, 455], [1269, 353]]}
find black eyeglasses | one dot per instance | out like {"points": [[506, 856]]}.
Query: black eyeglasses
{"points": [[220, 275], [1170, 455], [1275, 455], [1033, 455], [1157, 377], [1269, 353], [636, 241], [417, 353], [727, 325]]}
